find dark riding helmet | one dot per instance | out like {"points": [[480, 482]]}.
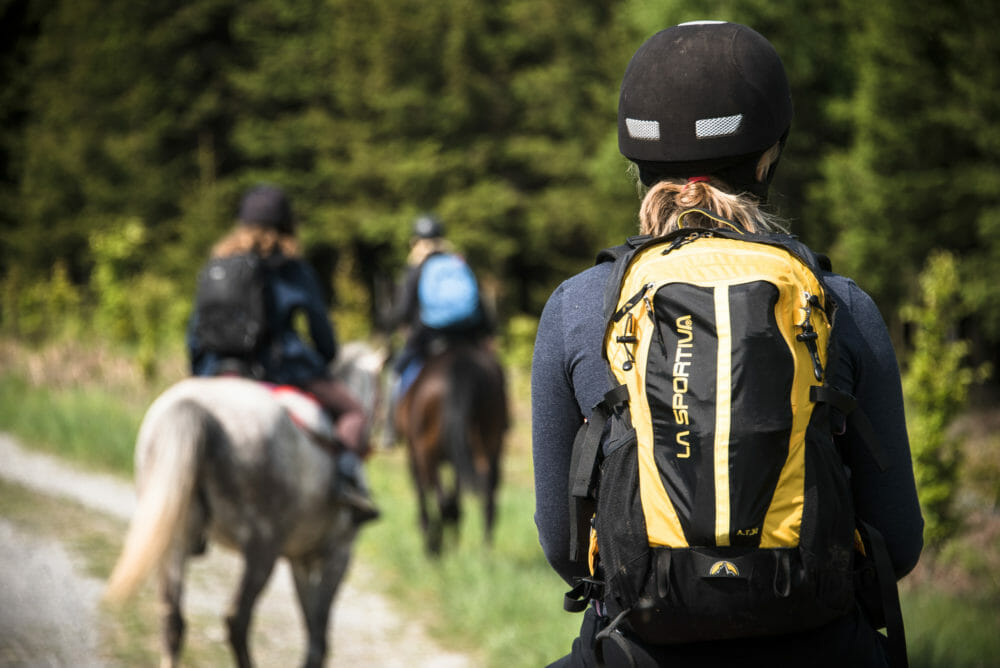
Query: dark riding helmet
{"points": [[428, 226], [267, 206], [704, 98]]}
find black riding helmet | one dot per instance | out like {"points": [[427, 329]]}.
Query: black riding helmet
{"points": [[265, 205], [704, 98], [428, 226]]}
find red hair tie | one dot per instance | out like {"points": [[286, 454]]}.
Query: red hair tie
{"points": [[698, 179]]}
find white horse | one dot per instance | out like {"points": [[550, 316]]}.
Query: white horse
{"points": [[222, 459]]}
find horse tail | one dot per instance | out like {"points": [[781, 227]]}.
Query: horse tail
{"points": [[171, 448], [459, 413]]}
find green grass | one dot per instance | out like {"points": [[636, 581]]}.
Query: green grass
{"points": [[502, 602], [949, 630], [89, 426]]}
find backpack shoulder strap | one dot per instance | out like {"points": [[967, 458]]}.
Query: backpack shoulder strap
{"points": [[848, 406], [621, 256], [615, 252]]}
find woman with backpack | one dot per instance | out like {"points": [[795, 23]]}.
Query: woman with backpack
{"points": [[265, 236], [463, 313], [704, 112]]}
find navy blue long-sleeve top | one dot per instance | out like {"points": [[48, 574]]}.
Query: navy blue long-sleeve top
{"points": [[569, 377]]}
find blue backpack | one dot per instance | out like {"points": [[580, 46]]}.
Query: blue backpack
{"points": [[447, 292]]}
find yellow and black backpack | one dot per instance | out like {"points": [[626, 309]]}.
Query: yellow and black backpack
{"points": [[707, 490]]}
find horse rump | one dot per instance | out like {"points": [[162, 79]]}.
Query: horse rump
{"points": [[475, 416]]}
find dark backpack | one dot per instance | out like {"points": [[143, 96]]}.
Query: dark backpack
{"points": [[707, 491], [231, 306]]}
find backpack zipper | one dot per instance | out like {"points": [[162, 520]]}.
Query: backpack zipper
{"points": [[632, 301]]}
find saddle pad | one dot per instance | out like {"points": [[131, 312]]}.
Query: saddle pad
{"points": [[305, 411]]}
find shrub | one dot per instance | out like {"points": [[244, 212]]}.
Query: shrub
{"points": [[936, 385]]}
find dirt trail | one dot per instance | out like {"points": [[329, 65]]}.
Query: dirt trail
{"points": [[49, 608]]}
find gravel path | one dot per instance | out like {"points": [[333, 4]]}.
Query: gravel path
{"points": [[49, 608]]}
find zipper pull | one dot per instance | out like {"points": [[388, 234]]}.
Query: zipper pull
{"points": [[628, 340], [809, 336]]}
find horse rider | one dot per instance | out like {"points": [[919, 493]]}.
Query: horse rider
{"points": [[423, 339], [266, 229]]}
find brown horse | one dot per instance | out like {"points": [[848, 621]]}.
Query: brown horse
{"points": [[455, 414], [222, 459]]}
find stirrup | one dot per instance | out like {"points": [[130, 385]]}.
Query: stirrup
{"points": [[362, 507]]}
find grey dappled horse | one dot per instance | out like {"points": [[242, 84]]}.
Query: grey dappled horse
{"points": [[221, 458]]}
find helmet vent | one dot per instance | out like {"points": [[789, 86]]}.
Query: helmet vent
{"points": [[646, 130], [722, 126]]}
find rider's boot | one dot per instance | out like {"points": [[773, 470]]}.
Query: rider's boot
{"points": [[352, 488]]}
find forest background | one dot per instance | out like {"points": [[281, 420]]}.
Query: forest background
{"points": [[128, 131]]}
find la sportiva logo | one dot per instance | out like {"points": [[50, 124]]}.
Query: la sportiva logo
{"points": [[682, 360], [724, 569]]}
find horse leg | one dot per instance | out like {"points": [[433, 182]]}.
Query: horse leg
{"points": [[490, 501], [450, 502], [419, 485], [171, 591], [316, 582], [425, 478], [434, 524], [258, 562]]}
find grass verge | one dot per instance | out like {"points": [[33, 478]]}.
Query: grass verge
{"points": [[502, 601], [943, 629], [89, 426]]}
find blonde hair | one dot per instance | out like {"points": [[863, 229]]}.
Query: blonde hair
{"points": [[264, 241], [423, 247], [665, 205]]}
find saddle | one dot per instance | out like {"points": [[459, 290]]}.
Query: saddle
{"points": [[308, 415], [435, 344]]}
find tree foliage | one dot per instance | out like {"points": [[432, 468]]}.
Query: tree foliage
{"points": [[500, 117], [921, 169]]}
